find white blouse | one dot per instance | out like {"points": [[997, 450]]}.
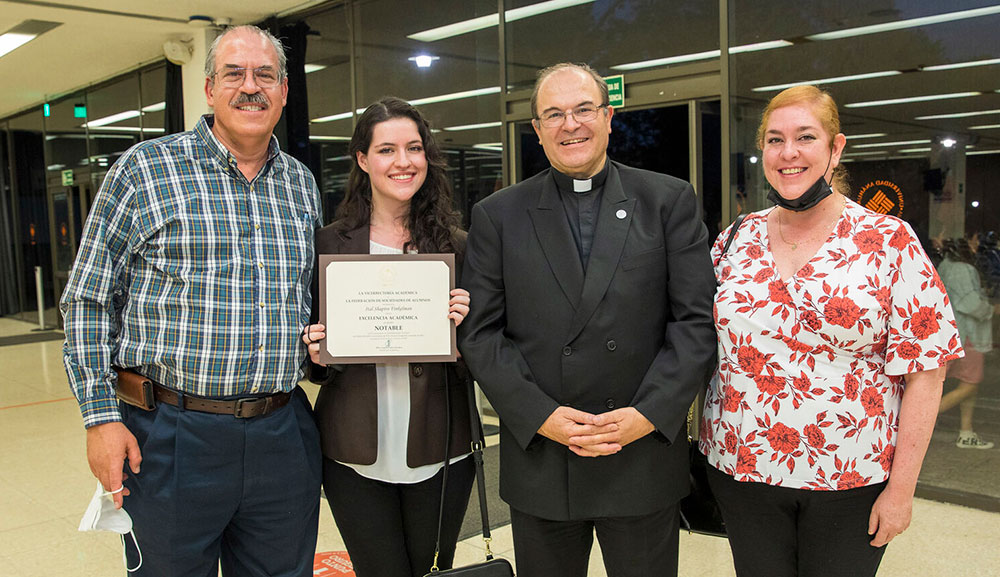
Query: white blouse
{"points": [[393, 383]]}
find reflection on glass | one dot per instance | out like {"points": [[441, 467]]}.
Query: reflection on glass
{"points": [[153, 83], [611, 36], [458, 92]]}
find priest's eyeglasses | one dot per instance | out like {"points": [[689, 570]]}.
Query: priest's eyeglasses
{"points": [[582, 113]]}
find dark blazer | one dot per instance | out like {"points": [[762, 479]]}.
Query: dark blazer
{"points": [[635, 330], [347, 405]]}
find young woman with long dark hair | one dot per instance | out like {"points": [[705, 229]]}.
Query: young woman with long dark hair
{"points": [[383, 426]]}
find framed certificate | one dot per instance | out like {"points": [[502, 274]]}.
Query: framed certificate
{"points": [[382, 308]]}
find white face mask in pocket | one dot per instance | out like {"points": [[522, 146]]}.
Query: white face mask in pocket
{"points": [[101, 515]]}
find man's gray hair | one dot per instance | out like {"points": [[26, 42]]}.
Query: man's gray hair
{"points": [[279, 48], [544, 73]]}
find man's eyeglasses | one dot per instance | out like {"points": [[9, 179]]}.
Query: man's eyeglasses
{"points": [[582, 113], [234, 76]]}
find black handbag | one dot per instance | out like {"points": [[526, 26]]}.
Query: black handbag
{"points": [[700, 510], [490, 567]]}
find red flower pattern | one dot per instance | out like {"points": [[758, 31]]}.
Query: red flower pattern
{"points": [[751, 360], [908, 350], [814, 436], [746, 461], [850, 480], [811, 319], [731, 442], [924, 323], [731, 399], [795, 407], [871, 400], [900, 239], [782, 438], [868, 241], [778, 293], [769, 384], [885, 457], [851, 386], [841, 311], [884, 297]]}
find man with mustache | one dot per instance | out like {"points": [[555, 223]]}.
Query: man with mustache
{"points": [[194, 273], [590, 332]]}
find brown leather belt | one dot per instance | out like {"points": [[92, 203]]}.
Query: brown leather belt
{"points": [[244, 408]]}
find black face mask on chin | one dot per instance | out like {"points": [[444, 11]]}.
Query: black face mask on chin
{"points": [[810, 198]]}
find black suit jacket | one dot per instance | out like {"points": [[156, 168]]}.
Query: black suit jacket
{"points": [[635, 330]]}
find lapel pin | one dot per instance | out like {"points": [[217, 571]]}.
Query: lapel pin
{"points": [[620, 214]]}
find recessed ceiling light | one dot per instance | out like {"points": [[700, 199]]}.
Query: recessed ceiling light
{"points": [[869, 135], [984, 126], [423, 60], [419, 101], [150, 129], [706, 55], [958, 114], [456, 95], [759, 46], [832, 80], [313, 67], [483, 22], [896, 143], [980, 152], [908, 99], [969, 64], [903, 24], [111, 119], [473, 126], [23, 33], [333, 117]]}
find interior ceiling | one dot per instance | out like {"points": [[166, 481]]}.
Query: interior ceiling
{"points": [[99, 39]]}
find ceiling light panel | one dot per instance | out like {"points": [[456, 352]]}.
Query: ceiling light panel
{"points": [[909, 99], [903, 24], [490, 20]]}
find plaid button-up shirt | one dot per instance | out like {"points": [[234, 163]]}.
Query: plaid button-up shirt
{"points": [[191, 274]]}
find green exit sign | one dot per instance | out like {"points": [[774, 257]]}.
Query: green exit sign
{"points": [[616, 90], [79, 111], [67, 177]]}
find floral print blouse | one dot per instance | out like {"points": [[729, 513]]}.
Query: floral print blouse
{"points": [[811, 368]]}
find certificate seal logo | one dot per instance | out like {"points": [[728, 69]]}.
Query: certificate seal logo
{"points": [[388, 276]]}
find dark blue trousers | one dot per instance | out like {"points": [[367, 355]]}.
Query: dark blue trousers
{"points": [[216, 488]]}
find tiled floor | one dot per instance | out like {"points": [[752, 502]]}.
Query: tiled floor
{"points": [[45, 485]]}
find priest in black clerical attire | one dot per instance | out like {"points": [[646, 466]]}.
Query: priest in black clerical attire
{"points": [[590, 332]]}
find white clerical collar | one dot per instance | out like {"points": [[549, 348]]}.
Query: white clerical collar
{"points": [[583, 185]]}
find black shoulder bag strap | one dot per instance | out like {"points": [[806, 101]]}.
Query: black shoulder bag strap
{"points": [[732, 233], [477, 456]]}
